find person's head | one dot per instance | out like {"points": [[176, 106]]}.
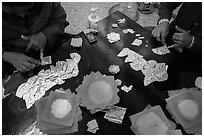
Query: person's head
{"points": [[16, 7]]}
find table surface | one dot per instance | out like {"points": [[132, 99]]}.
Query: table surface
{"points": [[98, 57]]}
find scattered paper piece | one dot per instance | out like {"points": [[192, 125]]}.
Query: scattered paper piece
{"points": [[125, 31], [149, 80], [90, 35], [137, 42], [129, 30], [140, 37], [129, 7], [76, 57], [130, 57], [152, 63], [161, 50], [76, 42], [115, 114], [118, 82], [121, 20], [114, 25], [123, 53], [156, 72], [126, 89], [137, 35], [114, 69], [92, 126], [113, 37], [46, 60], [136, 66]]}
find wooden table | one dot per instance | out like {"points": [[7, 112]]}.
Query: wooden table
{"points": [[98, 57]]}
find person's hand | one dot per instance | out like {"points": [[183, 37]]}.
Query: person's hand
{"points": [[37, 42], [161, 31], [182, 38], [20, 61]]}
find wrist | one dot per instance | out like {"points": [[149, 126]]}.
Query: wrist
{"points": [[163, 20]]}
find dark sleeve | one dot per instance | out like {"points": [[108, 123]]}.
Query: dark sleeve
{"points": [[197, 45], [56, 25], [166, 9]]}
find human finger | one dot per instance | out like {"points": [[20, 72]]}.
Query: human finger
{"points": [[157, 35], [35, 47], [29, 47], [177, 42], [178, 34], [153, 32], [32, 60], [18, 69], [173, 46], [175, 37], [29, 65], [180, 29], [23, 68], [163, 37]]}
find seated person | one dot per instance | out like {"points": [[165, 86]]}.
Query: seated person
{"points": [[29, 28], [185, 32]]}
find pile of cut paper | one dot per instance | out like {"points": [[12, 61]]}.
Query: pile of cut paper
{"points": [[59, 113], [36, 86], [115, 114], [98, 92], [152, 70], [185, 105], [155, 72], [152, 121]]}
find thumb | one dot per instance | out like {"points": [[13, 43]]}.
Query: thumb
{"points": [[180, 29], [173, 46], [30, 44]]}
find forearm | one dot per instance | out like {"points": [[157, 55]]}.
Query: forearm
{"points": [[196, 46]]}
